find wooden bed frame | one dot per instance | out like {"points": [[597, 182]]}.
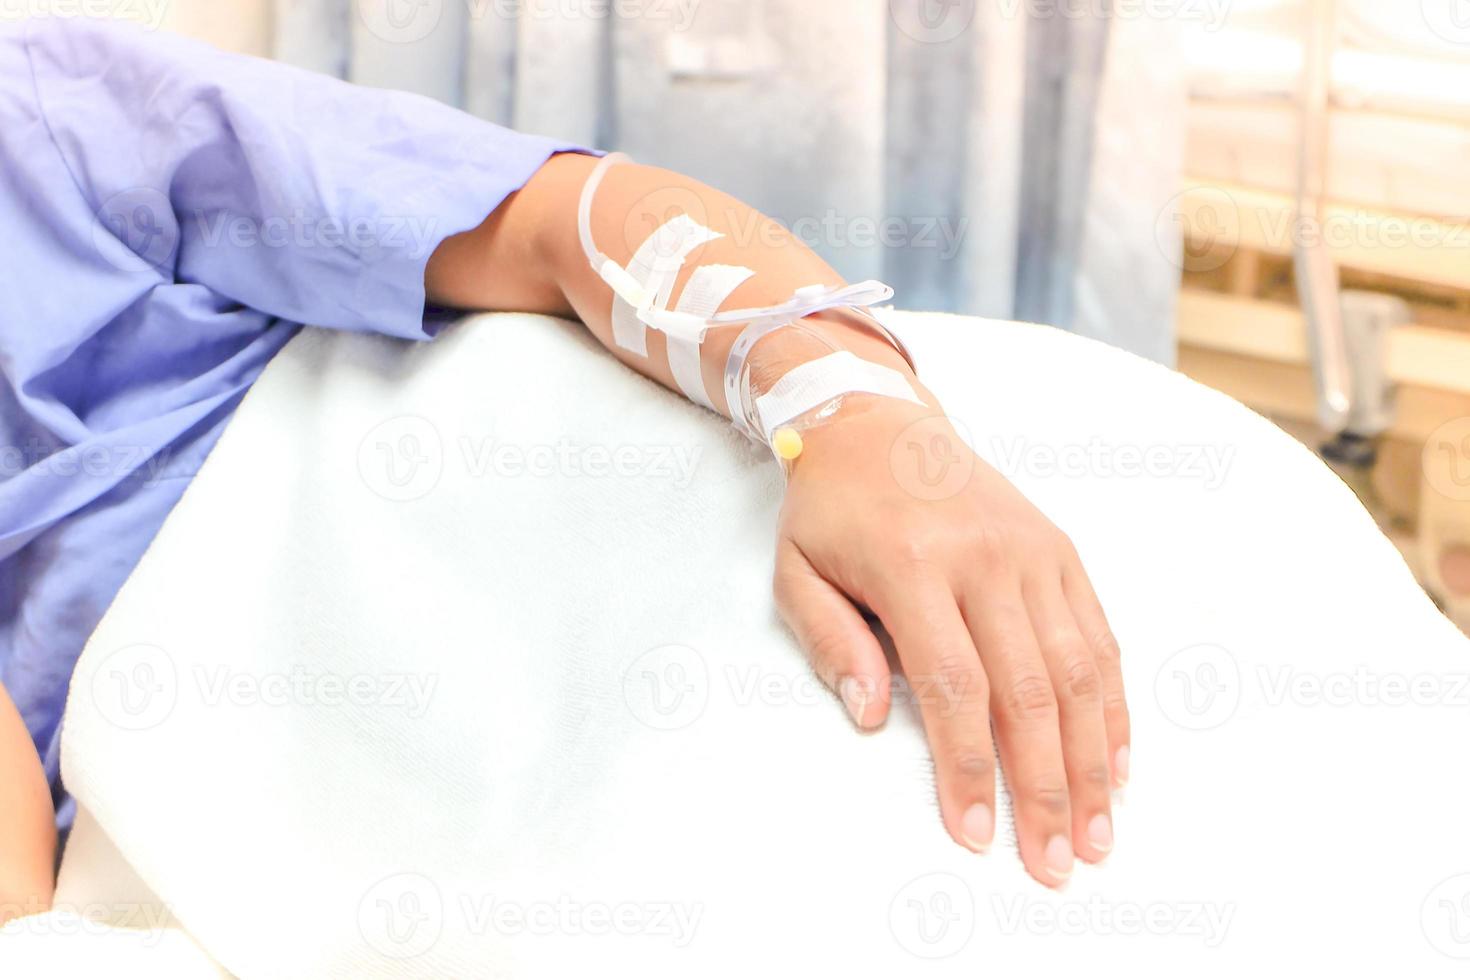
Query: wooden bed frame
{"points": [[1242, 332]]}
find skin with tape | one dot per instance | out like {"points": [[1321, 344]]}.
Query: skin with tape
{"points": [[990, 609]]}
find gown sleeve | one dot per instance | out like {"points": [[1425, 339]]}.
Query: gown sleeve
{"points": [[291, 193]]}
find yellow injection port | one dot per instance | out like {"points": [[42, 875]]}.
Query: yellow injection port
{"points": [[787, 443]]}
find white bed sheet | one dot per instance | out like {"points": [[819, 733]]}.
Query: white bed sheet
{"points": [[1282, 816]]}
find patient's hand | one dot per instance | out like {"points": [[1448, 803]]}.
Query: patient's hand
{"points": [[992, 615], [950, 569]]}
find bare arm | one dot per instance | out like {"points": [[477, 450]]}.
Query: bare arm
{"points": [[990, 609], [27, 821], [527, 257]]}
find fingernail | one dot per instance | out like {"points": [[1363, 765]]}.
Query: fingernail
{"points": [[1120, 767], [978, 827], [1058, 857], [1100, 832], [854, 697]]}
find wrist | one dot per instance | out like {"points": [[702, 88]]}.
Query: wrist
{"points": [[780, 352], [841, 329], [858, 418], [819, 335]]}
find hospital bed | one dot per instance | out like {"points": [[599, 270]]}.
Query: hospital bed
{"points": [[578, 709], [1393, 124]]}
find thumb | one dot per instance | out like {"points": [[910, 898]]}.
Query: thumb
{"points": [[841, 647]]}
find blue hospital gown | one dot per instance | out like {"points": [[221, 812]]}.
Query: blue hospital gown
{"points": [[169, 217]]}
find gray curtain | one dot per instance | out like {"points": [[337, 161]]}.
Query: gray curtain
{"points": [[984, 156]]}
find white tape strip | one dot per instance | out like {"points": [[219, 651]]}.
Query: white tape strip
{"points": [[707, 289], [816, 383], [664, 250]]}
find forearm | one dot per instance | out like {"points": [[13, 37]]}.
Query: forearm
{"points": [[27, 821], [528, 257]]}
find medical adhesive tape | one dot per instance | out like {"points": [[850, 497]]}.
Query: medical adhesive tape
{"points": [[708, 287], [815, 383], [654, 268]]}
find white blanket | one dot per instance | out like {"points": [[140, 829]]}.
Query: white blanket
{"points": [[458, 660]]}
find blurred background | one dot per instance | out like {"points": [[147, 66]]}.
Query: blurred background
{"points": [[1269, 194]]}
